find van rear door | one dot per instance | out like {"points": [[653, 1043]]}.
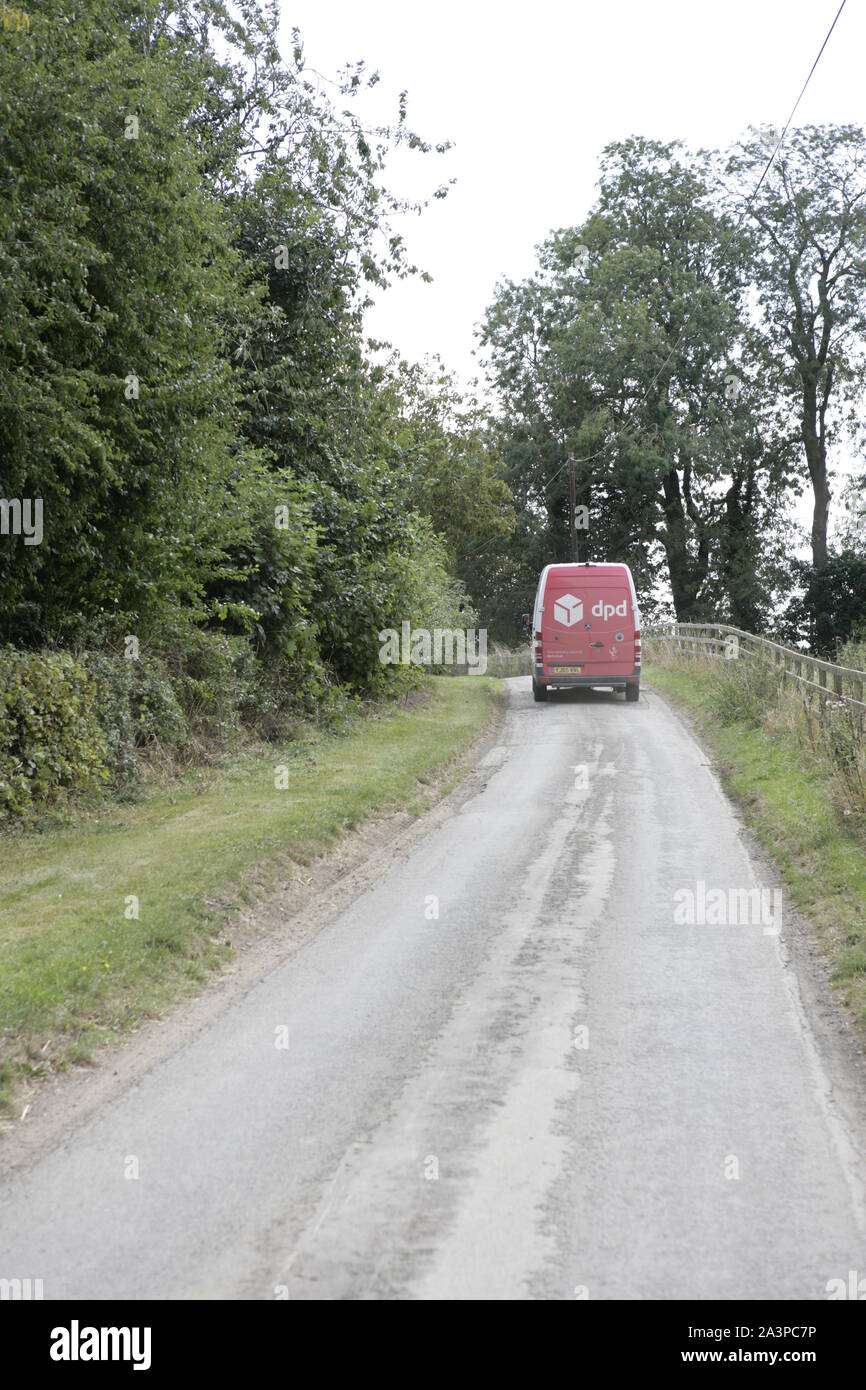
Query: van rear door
{"points": [[588, 622]]}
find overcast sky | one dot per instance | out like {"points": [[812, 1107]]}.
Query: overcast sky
{"points": [[531, 93]]}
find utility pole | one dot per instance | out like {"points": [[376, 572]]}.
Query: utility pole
{"points": [[571, 508]]}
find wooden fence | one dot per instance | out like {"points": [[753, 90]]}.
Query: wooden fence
{"points": [[820, 679]]}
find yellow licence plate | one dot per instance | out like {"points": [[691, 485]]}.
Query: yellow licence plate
{"points": [[567, 670]]}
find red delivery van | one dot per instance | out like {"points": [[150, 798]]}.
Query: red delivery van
{"points": [[586, 629]]}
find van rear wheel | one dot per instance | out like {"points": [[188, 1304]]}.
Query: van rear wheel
{"points": [[632, 692], [539, 692]]}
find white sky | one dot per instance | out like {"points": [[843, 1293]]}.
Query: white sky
{"points": [[530, 94]]}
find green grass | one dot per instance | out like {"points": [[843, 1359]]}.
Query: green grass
{"points": [[76, 970], [789, 800]]}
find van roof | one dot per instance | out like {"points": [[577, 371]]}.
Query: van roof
{"points": [[612, 566], [573, 570]]}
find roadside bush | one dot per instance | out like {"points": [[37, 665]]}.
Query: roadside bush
{"points": [[112, 681], [136, 706], [51, 742], [158, 713], [72, 722], [190, 681]]}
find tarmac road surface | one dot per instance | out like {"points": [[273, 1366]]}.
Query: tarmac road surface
{"points": [[515, 1069]]}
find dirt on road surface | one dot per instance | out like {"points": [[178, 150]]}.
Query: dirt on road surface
{"points": [[540, 1055]]}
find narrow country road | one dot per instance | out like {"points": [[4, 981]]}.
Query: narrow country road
{"points": [[553, 1089]]}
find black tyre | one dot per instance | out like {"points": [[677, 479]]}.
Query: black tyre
{"points": [[539, 692], [632, 691]]}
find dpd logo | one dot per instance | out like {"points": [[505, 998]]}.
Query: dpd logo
{"points": [[568, 610]]}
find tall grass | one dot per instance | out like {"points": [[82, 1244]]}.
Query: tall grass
{"points": [[507, 661], [502, 662], [830, 732]]}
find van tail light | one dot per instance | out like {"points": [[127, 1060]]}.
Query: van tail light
{"points": [[637, 649], [537, 650]]}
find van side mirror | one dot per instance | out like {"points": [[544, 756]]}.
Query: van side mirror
{"points": [[525, 621]]}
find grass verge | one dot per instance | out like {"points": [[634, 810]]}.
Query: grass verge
{"points": [[790, 800], [78, 966]]}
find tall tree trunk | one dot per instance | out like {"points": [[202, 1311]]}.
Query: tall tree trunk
{"points": [[815, 443], [686, 574], [737, 549]]}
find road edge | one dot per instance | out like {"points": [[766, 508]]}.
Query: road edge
{"points": [[280, 924]]}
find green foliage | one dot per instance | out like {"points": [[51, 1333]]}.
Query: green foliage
{"points": [[194, 680], [809, 223], [181, 312], [137, 705], [633, 346], [382, 565], [51, 742], [444, 443], [188, 228], [118, 270], [265, 591], [827, 606], [112, 680]]}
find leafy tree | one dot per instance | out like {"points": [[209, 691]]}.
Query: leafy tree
{"points": [[828, 606], [624, 348], [188, 232], [442, 443], [810, 217], [116, 401]]}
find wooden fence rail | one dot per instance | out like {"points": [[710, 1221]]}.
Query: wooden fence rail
{"points": [[839, 683]]}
